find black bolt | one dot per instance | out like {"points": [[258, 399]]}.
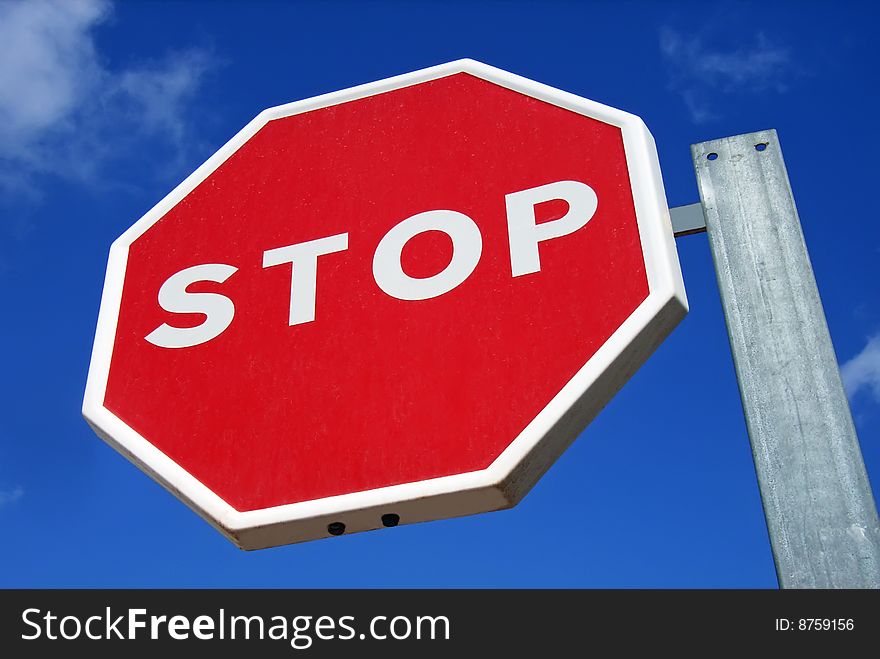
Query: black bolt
{"points": [[336, 528], [390, 519]]}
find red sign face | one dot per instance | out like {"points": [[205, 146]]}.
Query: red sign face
{"points": [[385, 301]]}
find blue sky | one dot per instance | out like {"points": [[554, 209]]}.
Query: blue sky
{"points": [[105, 107]]}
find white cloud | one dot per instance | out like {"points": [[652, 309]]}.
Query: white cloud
{"points": [[862, 372], [11, 496], [698, 71], [157, 95], [65, 111], [47, 64]]}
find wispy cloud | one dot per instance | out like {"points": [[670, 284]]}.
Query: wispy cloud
{"points": [[65, 111], [698, 71], [10, 496], [862, 372]]}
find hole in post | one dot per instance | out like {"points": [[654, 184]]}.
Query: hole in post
{"points": [[336, 528], [712, 156], [390, 519], [760, 146]]}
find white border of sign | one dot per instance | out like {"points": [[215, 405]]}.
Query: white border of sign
{"points": [[517, 469]]}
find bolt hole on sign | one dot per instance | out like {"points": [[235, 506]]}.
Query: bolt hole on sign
{"points": [[400, 301]]}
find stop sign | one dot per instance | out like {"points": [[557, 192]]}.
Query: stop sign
{"points": [[393, 303]]}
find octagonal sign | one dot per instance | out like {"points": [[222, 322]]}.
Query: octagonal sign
{"points": [[394, 303]]}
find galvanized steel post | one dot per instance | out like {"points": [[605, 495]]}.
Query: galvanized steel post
{"points": [[817, 500]]}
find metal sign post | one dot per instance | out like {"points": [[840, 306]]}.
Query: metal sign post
{"points": [[817, 500]]}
